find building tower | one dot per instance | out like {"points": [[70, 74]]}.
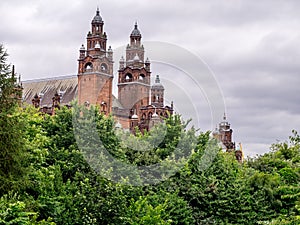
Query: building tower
{"points": [[95, 68], [157, 93], [134, 76], [224, 135]]}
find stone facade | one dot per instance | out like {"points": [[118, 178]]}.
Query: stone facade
{"points": [[134, 88], [139, 103], [95, 68]]}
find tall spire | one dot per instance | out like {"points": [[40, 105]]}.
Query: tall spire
{"points": [[157, 80], [98, 11], [224, 116]]}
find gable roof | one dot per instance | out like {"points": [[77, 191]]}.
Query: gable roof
{"points": [[46, 88], [66, 86]]}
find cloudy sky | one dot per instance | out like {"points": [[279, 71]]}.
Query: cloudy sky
{"points": [[251, 47]]}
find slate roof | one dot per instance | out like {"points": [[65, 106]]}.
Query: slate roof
{"points": [[66, 86], [116, 103]]}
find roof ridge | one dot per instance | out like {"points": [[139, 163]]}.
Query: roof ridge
{"points": [[50, 78]]}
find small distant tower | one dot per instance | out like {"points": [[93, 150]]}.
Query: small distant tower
{"points": [[36, 101], [223, 133], [226, 134], [157, 93], [95, 68]]}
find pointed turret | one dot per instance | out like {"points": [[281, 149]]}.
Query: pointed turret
{"points": [[157, 93], [36, 101]]}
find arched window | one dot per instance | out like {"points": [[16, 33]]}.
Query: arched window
{"points": [[103, 107], [88, 67], [156, 98], [153, 98], [149, 115], [141, 77], [128, 77]]}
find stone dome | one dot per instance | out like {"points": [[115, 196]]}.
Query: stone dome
{"points": [[135, 31], [97, 18]]}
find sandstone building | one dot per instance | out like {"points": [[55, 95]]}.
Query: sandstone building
{"points": [[139, 103]]}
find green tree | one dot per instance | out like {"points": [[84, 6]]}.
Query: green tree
{"points": [[207, 186], [282, 166], [12, 152]]}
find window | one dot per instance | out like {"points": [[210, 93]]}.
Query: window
{"points": [[141, 77], [156, 98], [103, 106], [128, 77], [104, 67], [88, 67]]}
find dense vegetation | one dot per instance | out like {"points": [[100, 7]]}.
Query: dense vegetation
{"points": [[45, 178]]}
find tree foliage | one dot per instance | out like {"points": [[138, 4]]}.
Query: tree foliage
{"points": [[12, 151], [50, 180]]}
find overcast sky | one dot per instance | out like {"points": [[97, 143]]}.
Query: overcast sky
{"points": [[252, 47]]}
